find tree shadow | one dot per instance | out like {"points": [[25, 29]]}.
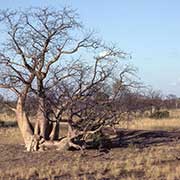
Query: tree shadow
{"points": [[136, 138], [142, 138]]}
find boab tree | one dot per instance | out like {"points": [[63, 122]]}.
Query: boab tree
{"points": [[86, 99], [34, 58]]}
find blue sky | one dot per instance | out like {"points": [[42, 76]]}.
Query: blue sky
{"points": [[149, 30]]}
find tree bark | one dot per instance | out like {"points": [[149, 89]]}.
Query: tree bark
{"points": [[38, 139], [54, 135], [23, 122], [42, 126]]}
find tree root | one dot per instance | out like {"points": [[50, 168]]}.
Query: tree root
{"points": [[63, 144], [37, 143]]}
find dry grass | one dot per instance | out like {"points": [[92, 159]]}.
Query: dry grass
{"points": [[7, 117], [127, 163], [157, 161], [153, 124], [170, 124], [10, 136]]}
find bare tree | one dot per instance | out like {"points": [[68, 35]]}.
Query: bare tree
{"points": [[155, 99], [87, 100], [171, 101], [34, 58]]}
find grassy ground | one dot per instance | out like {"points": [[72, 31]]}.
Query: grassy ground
{"points": [[172, 123], [149, 149]]}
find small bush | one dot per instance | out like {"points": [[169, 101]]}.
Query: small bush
{"points": [[8, 124], [101, 141], [97, 139], [2, 123], [160, 115]]}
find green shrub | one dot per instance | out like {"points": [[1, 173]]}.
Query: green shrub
{"points": [[160, 115]]}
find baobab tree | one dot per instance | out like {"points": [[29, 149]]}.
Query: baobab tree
{"points": [[86, 100], [41, 52]]}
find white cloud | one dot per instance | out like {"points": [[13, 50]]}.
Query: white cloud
{"points": [[103, 53], [176, 83]]}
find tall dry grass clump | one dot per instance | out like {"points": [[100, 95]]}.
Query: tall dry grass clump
{"points": [[144, 123]]}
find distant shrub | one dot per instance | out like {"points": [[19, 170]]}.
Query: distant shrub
{"points": [[11, 124], [8, 124], [160, 115], [2, 123]]}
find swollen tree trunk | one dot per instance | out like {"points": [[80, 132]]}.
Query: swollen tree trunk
{"points": [[23, 122], [42, 126], [44, 131]]}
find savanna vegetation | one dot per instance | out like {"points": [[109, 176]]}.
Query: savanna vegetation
{"points": [[76, 104]]}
